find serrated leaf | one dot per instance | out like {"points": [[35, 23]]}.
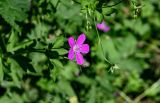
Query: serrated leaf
{"points": [[126, 48], [45, 84], [12, 41], [14, 10], [16, 72], [57, 63], [57, 68], [22, 45], [59, 42], [54, 73], [67, 10], [39, 31]]}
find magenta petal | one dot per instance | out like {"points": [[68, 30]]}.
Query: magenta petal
{"points": [[79, 58], [71, 41], [81, 39], [102, 26], [106, 29], [71, 54], [84, 48], [99, 26]]}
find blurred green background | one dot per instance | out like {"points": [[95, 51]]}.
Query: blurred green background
{"points": [[34, 67]]}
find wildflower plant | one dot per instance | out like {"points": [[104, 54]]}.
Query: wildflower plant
{"points": [[41, 61]]}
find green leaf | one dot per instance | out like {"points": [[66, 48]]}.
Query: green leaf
{"points": [[67, 10], [59, 42], [141, 28], [61, 51], [14, 45], [66, 87], [23, 45], [46, 84], [54, 2], [84, 80], [16, 72], [12, 41], [99, 16], [105, 83], [132, 63], [30, 95], [70, 70], [40, 31], [14, 10], [109, 50], [126, 46], [91, 95], [147, 9], [154, 89], [58, 66], [11, 98], [57, 63], [54, 73], [133, 81]]}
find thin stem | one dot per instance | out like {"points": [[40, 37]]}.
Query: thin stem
{"points": [[151, 88], [34, 50], [27, 51], [39, 50], [123, 95], [101, 44]]}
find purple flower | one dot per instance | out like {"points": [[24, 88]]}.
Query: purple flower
{"points": [[77, 48], [102, 26]]}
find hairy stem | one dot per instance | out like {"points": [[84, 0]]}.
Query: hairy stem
{"points": [[101, 44]]}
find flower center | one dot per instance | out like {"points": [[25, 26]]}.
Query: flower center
{"points": [[75, 48]]}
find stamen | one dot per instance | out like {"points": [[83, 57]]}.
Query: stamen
{"points": [[75, 48]]}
